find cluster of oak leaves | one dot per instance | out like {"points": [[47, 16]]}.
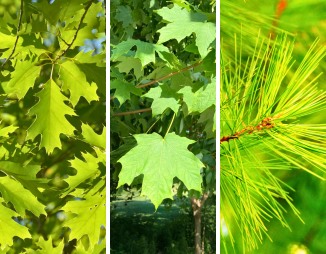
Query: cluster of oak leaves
{"points": [[64, 68]]}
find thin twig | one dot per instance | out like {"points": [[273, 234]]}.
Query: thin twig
{"points": [[75, 36], [170, 75], [167, 76], [17, 37], [133, 112]]}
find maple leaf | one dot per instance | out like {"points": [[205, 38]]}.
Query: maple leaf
{"points": [[85, 170], [91, 215], [160, 160], [75, 81], [123, 89], [50, 121], [183, 23], [128, 62], [164, 97], [202, 99], [124, 15], [145, 51], [4, 131], [209, 115], [21, 198], [91, 137], [23, 77], [9, 228]]}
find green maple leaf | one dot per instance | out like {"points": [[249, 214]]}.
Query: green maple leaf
{"points": [[164, 97], [85, 170], [123, 90], [202, 99], [9, 228], [160, 160], [75, 81], [183, 23], [50, 121], [22, 199], [91, 215], [124, 15], [145, 51], [209, 115], [92, 138], [23, 77], [127, 63], [59, 9]]}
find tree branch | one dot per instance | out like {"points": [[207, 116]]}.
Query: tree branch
{"points": [[75, 36], [133, 112], [170, 75], [167, 76], [261, 126], [281, 6], [204, 199], [17, 37]]}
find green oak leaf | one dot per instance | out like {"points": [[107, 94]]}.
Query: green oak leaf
{"points": [[23, 77], [59, 9], [5, 250], [22, 199], [98, 248], [160, 160], [90, 22], [4, 131], [9, 228], [145, 51], [50, 121], [183, 23], [26, 175], [164, 97], [91, 137], [37, 24], [202, 99], [94, 67], [124, 15], [7, 41], [209, 115], [85, 170], [91, 215], [74, 79], [123, 90]]}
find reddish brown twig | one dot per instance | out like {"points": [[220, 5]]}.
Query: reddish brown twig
{"points": [[133, 112], [281, 6], [261, 126]]}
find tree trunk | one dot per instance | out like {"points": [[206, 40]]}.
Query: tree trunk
{"points": [[196, 208]]}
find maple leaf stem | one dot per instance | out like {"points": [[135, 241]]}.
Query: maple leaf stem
{"points": [[17, 37], [157, 120], [170, 124], [133, 112], [75, 36]]}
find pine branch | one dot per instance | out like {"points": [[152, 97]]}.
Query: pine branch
{"points": [[261, 126], [78, 28], [17, 37], [281, 6]]}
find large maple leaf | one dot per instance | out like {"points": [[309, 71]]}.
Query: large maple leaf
{"points": [[50, 121], [160, 160], [183, 23]]}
